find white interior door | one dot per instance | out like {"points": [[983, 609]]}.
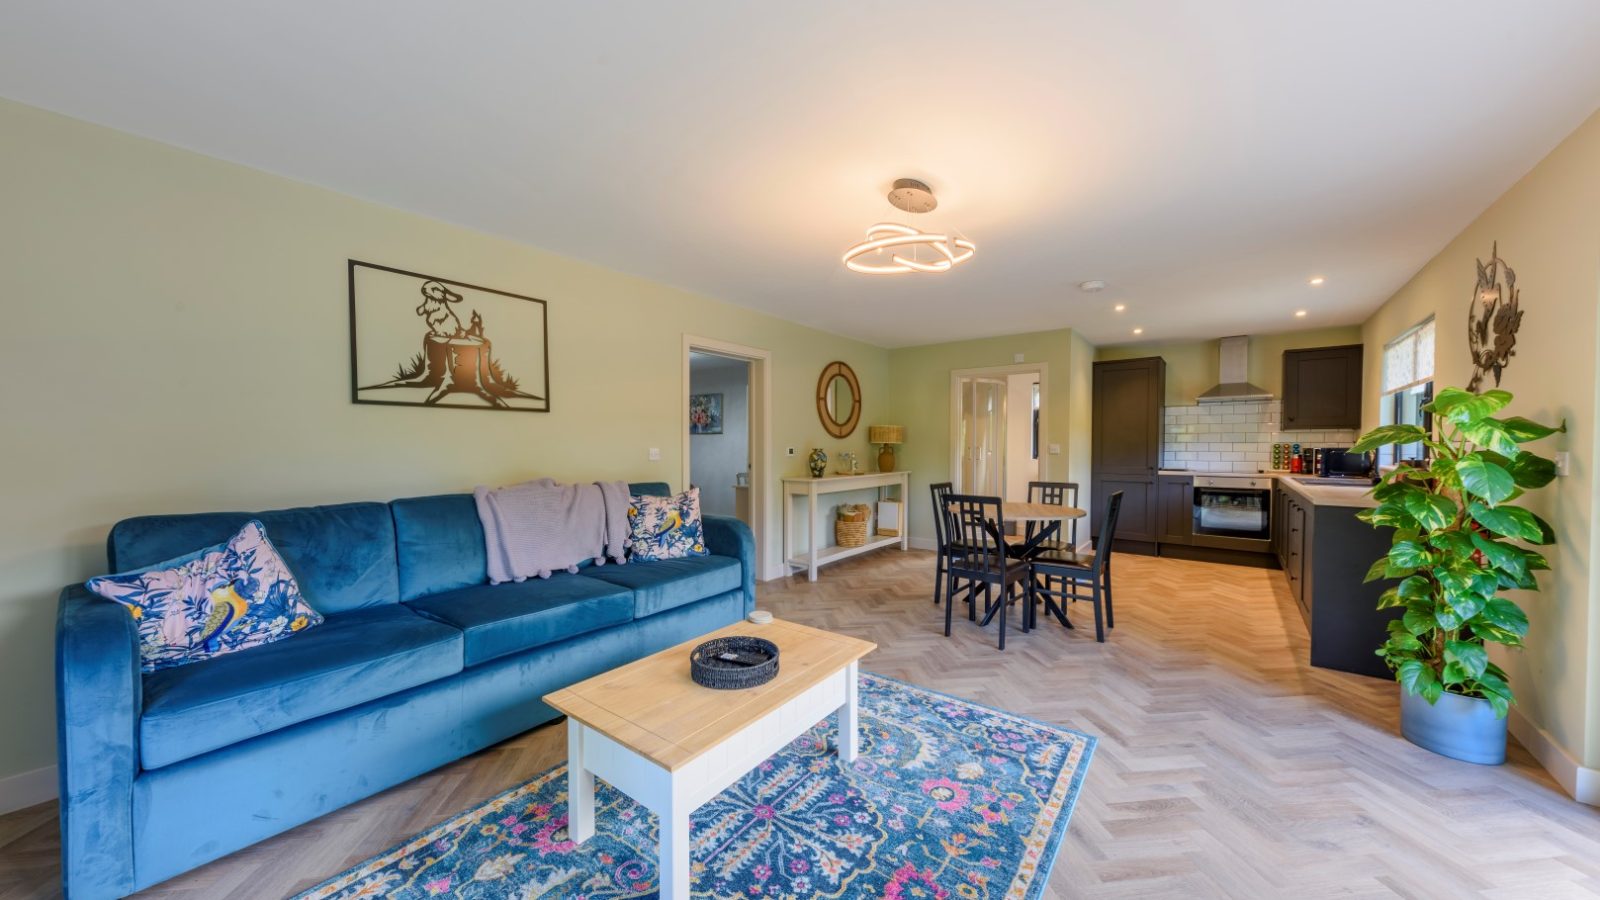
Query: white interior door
{"points": [[981, 435]]}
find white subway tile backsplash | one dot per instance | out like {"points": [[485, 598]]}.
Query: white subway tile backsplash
{"points": [[1234, 437]]}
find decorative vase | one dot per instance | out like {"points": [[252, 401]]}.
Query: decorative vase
{"points": [[1463, 728], [886, 458], [818, 463]]}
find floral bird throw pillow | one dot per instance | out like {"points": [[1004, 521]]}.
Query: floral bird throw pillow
{"points": [[218, 600], [665, 527]]}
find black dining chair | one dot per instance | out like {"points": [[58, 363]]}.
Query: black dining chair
{"points": [[1082, 577], [941, 537], [980, 560], [1055, 493]]}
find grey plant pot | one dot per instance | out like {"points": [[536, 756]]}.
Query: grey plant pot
{"points": [[1463, 728]]}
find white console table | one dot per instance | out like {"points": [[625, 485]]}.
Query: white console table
{"points": [[818, 551]]}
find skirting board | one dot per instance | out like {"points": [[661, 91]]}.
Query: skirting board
{"points": [[1581, 782], [26, 789]]}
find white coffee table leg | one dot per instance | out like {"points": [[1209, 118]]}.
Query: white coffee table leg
{"points": [[675, 851], [849, 734], [580, 787]]}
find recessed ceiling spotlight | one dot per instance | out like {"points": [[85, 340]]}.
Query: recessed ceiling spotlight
{"points": [[1091, 287], [1138, 331], [1317, 280], [1120, 307], [1299, 314]]}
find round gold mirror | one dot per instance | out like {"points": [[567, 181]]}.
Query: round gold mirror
{"points": [[838, 399]]}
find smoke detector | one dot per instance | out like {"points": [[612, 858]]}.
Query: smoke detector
{"points": [[1092, 287]]}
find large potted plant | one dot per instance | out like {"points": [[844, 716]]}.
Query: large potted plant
{"points": [[1459, 541]]}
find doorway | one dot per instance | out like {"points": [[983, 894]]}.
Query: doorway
{"points": [[997, 429], [726, 395]]}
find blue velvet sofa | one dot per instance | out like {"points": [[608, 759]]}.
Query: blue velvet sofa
{"points": [[420, 662]]}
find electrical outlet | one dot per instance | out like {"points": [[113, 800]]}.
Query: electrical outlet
{"points": [[1055, 449], [1563, 462], [655, 454], [791, 452], [1017, 357]]}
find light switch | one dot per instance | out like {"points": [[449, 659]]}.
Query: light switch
{"points": [[791, 452], [655, 454], [1563, 462], [1055, 449]]}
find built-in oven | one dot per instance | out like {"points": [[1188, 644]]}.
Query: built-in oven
{"points": [[1232, 512]]}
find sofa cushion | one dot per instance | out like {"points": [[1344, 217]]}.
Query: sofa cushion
{"points": [[668, 583], [351, 658], [214, 601], [342, 555], [440, 543], [501, 619]]}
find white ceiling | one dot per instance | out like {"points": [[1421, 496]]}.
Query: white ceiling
{"points": [[1204, 157]]}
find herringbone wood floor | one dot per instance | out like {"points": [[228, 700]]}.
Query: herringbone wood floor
{"points": [[1227, 767]]}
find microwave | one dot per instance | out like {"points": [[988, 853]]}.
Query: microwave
{"points": [[1339, 462]]}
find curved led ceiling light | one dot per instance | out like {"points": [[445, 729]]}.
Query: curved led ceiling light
{"points": [[945, 251]]}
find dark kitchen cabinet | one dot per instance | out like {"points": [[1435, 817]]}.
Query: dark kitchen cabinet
{"points": [[1326, 551], [1177, 509], [1125, 448], [1322, 388]]}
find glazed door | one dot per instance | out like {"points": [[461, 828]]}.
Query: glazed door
{"points": [[980, 436]]}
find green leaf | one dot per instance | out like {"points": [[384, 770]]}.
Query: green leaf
{"points": [[1447, 618], [1415, 676], [1499, 704], [1379, 569], [1454, 543], [1531, 470], [1547, 534], [1408, 554], [1418, 619], [1463, 407], [1385, 435], [1523, 429], [1415, 587], [1431, 510], [1390, 599], [1503, 556], [1510, 521], [1471, 657], [1465, 606], [1506, 615], [1485, 479], [1490, 433], [1401, 640]]}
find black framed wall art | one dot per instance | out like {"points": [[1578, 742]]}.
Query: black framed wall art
{"points": [[423, 340]]}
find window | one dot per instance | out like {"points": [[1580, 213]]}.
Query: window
{"points": [[1407, 387], [1036, 420]]}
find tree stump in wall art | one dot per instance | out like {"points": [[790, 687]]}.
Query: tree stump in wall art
{"points": [[457, 365]]}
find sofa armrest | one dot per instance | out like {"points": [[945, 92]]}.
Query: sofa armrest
{"points": [[99, 697], [727, 536]]}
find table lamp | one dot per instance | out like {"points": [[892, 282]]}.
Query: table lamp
{"points": [[888, 436]]}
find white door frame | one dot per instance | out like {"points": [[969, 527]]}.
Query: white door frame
{"points": [[760, 429], [1041, 369]]}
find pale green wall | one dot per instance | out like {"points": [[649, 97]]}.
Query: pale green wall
{"points": [[176, 339], [920, 392], [1192, 365], [1548, 229]]}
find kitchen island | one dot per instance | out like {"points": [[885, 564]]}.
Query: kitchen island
{"points": [[1325, 552]]}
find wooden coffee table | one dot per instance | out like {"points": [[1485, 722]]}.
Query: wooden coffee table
{"points": [[655, 735]]}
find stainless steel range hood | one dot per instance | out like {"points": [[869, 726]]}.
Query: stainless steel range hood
{"points": [[1233, 370]]}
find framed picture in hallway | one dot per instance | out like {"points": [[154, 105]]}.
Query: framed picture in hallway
{"points": [[705, 413], [423, 340]]}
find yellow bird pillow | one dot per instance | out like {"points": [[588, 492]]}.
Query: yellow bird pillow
{"points": [[665, 527], [222, 599]]}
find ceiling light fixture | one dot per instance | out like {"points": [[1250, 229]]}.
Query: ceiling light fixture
{"points": [[1138, 331], [947, 251], [1092, 287], [1317, 280], [1299, 314], [1120, 307]]}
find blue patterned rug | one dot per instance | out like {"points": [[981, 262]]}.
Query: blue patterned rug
{"points": [[948, 799]]}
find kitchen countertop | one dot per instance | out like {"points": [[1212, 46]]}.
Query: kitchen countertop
{"points": [[1355, 496]]}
